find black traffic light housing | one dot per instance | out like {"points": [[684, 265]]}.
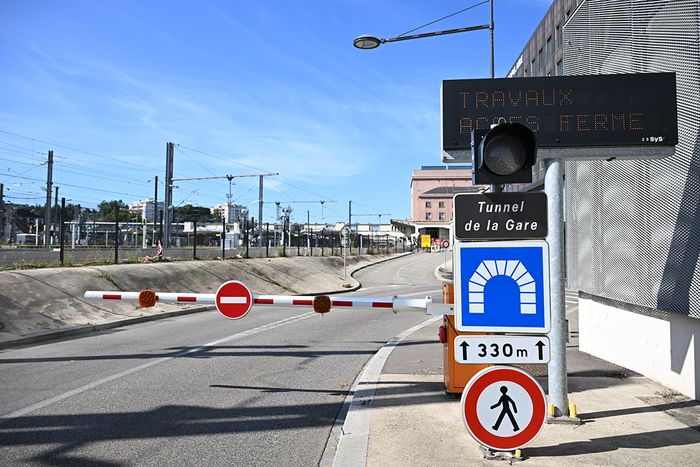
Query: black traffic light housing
{"points": [[503, 154]]}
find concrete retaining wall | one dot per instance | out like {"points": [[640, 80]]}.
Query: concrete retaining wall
{"points": [[665, 350], [47, 299]]}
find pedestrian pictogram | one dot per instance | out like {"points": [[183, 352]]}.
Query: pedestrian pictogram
{"points": [[502, 286], [234, 299], [505, 402], [503, 408]]}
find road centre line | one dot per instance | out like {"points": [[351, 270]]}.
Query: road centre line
{"points": [[121, 374]]}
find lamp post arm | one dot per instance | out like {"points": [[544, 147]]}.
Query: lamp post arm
{"points": [[436, 33]]}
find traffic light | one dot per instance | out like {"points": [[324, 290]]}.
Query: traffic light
{"points": [[503, 154]]}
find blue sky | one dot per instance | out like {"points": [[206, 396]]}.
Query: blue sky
{"points": [[240, 88]]}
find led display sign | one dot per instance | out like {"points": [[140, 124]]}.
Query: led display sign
{"points": [[565, 111]]}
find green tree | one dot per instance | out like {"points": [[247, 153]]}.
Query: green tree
{"points": [[193, 213], [105, 211]]}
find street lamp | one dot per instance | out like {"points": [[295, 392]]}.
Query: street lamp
{"points": [[367, 42]]}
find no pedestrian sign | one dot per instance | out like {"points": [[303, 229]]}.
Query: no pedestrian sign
{"points": [[503, 408]]}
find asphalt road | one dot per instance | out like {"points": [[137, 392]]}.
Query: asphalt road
{"points": [[200, 389]]}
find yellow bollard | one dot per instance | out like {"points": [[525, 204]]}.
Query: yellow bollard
{"points": [[518, 453], [550, 410], [572, 410]]}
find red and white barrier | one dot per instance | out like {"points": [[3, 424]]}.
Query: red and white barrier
{"points": [[160, 296], [393, 303]]}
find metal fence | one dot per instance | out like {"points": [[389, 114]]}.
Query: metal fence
{"points": [[18, 257], [633, 227]]}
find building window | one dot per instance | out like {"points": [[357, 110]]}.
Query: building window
{"points": [[441, 216], [428, 204], [540, 59], [550, 47], [532, 68], [428, 216], [560, 68], [441, 204], [558, 36]]}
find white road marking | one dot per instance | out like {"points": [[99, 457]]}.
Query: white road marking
{"points": [[353, 437]]}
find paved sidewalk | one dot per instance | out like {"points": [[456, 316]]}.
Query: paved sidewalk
{"points": [[627, 419]]}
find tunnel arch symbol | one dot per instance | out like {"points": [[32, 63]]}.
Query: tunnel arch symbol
{"points": [[512, 268]]}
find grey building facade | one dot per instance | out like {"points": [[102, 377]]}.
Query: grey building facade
{"points": [[633, 227]]}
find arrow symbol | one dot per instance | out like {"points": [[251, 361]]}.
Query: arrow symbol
{"points": [[464, 346], [540, 346]]}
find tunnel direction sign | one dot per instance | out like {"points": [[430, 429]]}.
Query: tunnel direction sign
{"points": [[503, 408], [494, 216], [502, 286]]}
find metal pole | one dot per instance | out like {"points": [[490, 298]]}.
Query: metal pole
{"points": [[13, 212], [60, 234], [47, 214], [554, 187], [223, 238], [247, 242], [260, 210], [116, 233], [350, 224], [267, 240], [493, 73], [155, 213], [194, 246], [167, 213]]}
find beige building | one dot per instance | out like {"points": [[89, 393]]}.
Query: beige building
{"points": [[432, 190]]}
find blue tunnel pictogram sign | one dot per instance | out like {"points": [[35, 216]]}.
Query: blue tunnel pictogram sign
{"points": [[502, 286]]}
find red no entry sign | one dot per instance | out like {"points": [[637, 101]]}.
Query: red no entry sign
{"points": [[234, 299], [504, 408]]}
